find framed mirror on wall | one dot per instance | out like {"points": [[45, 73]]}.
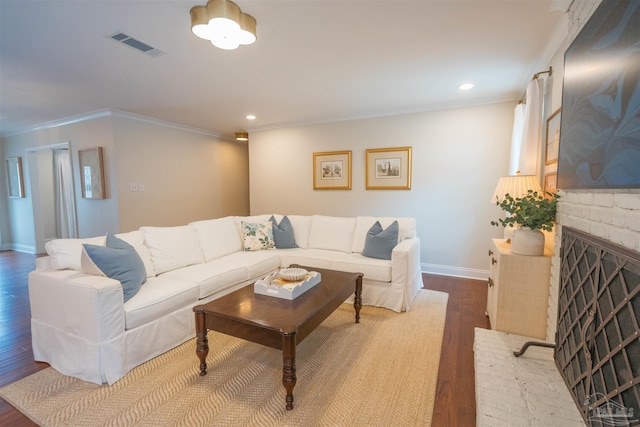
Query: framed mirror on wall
{"points": [[14, 177], [91, 173]]}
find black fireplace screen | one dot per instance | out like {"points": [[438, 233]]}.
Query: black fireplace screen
{"points": [[598, 335]]}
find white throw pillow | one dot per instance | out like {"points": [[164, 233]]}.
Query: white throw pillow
{"points": [[301, 229], [407, 229], [66, 253], [218, 237], [136, 239], [334, 233], [172, 247]]}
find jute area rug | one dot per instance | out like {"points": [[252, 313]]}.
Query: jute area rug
{"points": [[381, 372]]}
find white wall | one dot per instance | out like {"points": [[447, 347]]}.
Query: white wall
{"points": [[188, 175], [458, 156], [4, 198], [95, 217]]}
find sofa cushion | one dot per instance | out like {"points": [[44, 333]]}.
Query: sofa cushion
{"points": [[301, 228], [334, 233], [380, 243], [406, 229], [283, 235], [257, 263], [257, 235], [136, 239], [66, 253], [172, 247], [117, 260], [372, 268], [158, 297], [218, 237], [316, 258], [211, 277]]}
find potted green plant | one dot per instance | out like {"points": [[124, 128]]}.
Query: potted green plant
{"points": [[532, 213]]}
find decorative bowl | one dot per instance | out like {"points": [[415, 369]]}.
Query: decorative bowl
{"points": [[293, 274]]}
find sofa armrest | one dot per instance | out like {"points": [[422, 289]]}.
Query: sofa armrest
{"points": [[405, 261], [77, 304]]}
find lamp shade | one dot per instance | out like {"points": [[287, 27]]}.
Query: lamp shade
{"points": [[516, 186]]}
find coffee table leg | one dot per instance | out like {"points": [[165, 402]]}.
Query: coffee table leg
{"points": [[202, 342], [357, 301], [289, 366]]}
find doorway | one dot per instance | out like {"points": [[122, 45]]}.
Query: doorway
{"points": [[53, 196]]}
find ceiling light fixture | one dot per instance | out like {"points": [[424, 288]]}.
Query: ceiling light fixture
{"points": [[250, 117], [465, 86], [224, 24], [242, 136]]}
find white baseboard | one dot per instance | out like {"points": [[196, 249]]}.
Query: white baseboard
{"points": [[447, 270], [18, 248]]}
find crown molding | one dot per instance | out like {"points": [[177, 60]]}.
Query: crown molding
{"points": [[107, 112]]}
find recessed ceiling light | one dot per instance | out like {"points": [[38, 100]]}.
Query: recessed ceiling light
{"points": [[465, 86], [251, 117]]}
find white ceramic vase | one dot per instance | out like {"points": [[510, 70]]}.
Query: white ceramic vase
{"points": [[526, 241]]}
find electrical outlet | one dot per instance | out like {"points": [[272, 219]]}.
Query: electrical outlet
{"points": [[133, 186]]}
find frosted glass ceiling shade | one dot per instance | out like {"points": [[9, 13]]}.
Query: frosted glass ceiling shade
{"points": [[223, 23], [200, 22], [516, 186], [247, 29]]}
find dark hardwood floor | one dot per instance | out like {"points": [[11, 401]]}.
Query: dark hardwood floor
{"points": [[455, 396]]}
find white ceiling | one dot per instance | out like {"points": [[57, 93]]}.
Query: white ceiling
{"points": [[314, 60]]}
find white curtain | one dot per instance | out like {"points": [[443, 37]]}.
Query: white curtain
{"points": [[65, 206], [516, 138], [526, 145]]}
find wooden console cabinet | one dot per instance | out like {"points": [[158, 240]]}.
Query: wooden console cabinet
{"points": [[518, 295]]}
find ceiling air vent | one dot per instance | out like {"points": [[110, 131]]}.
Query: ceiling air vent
{"points": [[135, 43]]}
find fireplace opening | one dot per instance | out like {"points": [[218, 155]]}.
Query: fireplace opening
{"points": [[598, 330]]}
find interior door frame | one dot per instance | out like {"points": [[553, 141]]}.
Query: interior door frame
{"points": [[36, 195]]}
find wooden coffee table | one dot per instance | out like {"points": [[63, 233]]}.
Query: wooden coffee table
{"points": [[276, 322]]}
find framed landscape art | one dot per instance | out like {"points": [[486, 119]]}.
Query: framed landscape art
{"points": [[388, 168], [332, 170]]}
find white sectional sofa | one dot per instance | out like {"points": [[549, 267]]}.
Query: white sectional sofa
{"points": [[83, 328]]}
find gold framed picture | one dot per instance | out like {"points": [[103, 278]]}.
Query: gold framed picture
{"points": [[388, 168], [332, 170], [550, 184], [91, 173], [552, 139], [14, 177]]}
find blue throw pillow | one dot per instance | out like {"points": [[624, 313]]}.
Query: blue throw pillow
{"points": [[117, 260], [283, 233], [379, 243]]}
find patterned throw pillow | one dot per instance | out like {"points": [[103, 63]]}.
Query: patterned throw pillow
{"points": [[257, 236]]}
